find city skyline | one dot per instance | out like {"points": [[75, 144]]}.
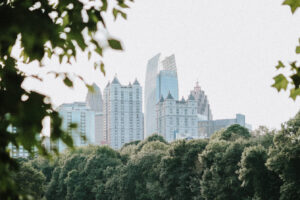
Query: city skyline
{"points": [[231, 49]]}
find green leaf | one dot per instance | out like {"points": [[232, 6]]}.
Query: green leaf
{"points": [[296, 80], [280, 65], [68, 82], [123, 5], [115, 44], [89, 55], [294, 93], [90, 88], [104, 5], [294, 4], [280, 82], [61, 56], [73, 125], [116, 12], [298, 49], [102, 68], [99, 50]]}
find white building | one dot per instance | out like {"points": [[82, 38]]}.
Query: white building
{"points": [[95, 102], [177, 117], [123, 117], [80, 114]]}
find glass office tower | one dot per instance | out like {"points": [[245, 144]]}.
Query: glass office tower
{"points": [[161, 77], [166, 82]]}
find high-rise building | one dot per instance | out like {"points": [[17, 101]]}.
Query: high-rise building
{"points": [[95, 102], [161, 78], [123, 116], [82, 115], [203, 107], [176, 118]]}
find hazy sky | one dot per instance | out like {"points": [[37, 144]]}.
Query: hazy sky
{"points": [[229, 46]]}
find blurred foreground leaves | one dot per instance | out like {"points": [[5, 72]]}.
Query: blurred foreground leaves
{"points": [[43, 29]]}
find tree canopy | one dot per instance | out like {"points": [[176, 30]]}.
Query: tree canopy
{"points": [[204, 169]]}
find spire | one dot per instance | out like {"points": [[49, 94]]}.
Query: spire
{"points": [[161, 99], [108, 83], [136, 82], [115, 81], [197, 87], [191, 97], [182, 99], [169, 96]]}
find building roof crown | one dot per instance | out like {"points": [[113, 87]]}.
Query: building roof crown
{"points": [[191, 97], [182, 100], [169, 96], [136, 82], [115, 81], [161, 99]]}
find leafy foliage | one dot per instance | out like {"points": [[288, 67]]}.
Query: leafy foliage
{"points": [[284, 158], [43, 29], [253, 168], [239, 166], [30, 182], [281, 81]]}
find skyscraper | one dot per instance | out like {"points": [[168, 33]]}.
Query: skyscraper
{"points": [[95, 102], [80, 114], [161, 78], [123, 117]]}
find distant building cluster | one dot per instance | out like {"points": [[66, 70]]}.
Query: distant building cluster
{"points": [[117, 117]]}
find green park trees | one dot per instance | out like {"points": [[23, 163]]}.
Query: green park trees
{"points": [[233, 164]]}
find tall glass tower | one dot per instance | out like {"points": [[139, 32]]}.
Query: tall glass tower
{"points": [[161, 78]]}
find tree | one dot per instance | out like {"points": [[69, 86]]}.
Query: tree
{"points": [[256, 177], [179, 174], [42, 29], [284, 158], [220, 161], [139, 178], [232, 133], [82, 174], [30, 181]]}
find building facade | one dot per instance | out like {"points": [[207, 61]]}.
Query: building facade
{"points": [[203, 107], [161, 78], [82, 115], [95, 102], [122, 111], [207, 127], [176, 118]]}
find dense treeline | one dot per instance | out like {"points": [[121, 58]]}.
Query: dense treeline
{"points": [[232, 164]]}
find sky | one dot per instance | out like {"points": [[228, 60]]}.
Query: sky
{"points": [[230, 47]]}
